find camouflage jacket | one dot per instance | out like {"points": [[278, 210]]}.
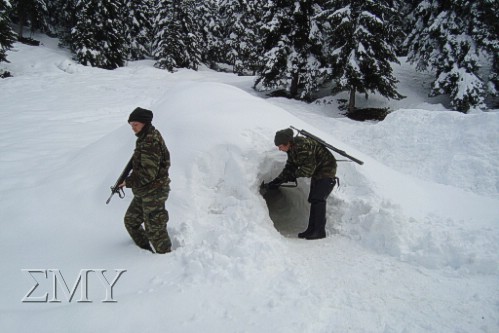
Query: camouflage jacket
{"points": [[308, 158], [150, 162]]}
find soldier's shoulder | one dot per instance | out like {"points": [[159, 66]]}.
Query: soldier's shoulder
{"points": [[153, 135], [299, 140], [304, 142]]}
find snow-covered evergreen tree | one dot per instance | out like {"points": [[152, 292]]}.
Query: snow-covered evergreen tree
{"points": [[176, 41], [206, 24], [31, 13], [98, 37], [138, 27], [360, 45], [62, 19], [400, 20], [186, 15], [164, 48], [292, 58], [486, 33], [7, 37], [241, 42], [448, 36]]}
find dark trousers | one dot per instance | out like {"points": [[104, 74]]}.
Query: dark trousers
{"points": [[319, 192], [151, 212]]}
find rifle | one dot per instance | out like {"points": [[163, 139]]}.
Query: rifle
{"points": [[116, 189], [324, 143]]}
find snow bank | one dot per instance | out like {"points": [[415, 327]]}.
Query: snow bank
{"points": [[444, 147]]}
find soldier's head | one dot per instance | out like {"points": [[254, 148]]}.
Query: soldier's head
{"points": [[139, 118], [283, 139]]}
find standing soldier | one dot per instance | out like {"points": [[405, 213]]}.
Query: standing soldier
{"points": [[308, 158], [149, 182]]}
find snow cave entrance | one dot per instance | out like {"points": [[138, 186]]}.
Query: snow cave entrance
{"points": [[288, 207]]}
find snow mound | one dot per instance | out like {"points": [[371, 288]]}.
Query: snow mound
{"points": [[404, 234], [444, 147]]}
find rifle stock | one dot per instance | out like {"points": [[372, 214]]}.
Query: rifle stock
{"points": [[116, 189], [324, 143]]}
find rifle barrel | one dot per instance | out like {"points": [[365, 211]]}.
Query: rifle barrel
{"points": [[341, 152], [116, 189]]}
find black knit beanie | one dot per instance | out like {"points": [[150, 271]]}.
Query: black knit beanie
{"points": [[141, 115], [284, 136]]}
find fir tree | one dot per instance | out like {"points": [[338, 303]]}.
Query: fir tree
{"points": [[448, 36], [7, 37], [32, 13], [205, 23], [176, 37], [360, 43], [62, 19], [400, 20], [67, 20], [98, 37], [190, 34], [241, 43], [164, 49], [486, 33], [138, 27], [292, 58]]}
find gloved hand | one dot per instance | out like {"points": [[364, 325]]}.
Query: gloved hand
{"points": [[274, 184]]}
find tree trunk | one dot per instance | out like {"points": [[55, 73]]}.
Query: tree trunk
{"points": [[293, 89], [21, 25], [351, 102]]}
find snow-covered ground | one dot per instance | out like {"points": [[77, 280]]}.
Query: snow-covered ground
{"points": [[413, 234]]}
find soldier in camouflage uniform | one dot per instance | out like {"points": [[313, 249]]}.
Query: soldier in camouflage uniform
{"points": [[149, 182], [308, 158]]}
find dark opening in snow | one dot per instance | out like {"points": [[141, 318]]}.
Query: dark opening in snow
{"points": [[289, 209]]}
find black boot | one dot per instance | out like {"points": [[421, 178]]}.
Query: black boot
{"points": [[317, 224], [147, 247], [316, 235], [319, 230], [310, 227], [304, 234]]}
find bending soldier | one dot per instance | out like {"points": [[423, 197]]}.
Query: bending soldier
{"points": [[308, 158]]}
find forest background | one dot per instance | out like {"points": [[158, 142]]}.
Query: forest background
{"points": [[299, 49]]}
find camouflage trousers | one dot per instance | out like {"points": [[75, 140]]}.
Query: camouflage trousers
{"points": [[150, 211]]}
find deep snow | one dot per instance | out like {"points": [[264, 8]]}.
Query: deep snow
{"points": [[413, 234]]}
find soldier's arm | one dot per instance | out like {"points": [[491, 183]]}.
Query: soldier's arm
{"points": [[288, 173], [146, 165]]}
